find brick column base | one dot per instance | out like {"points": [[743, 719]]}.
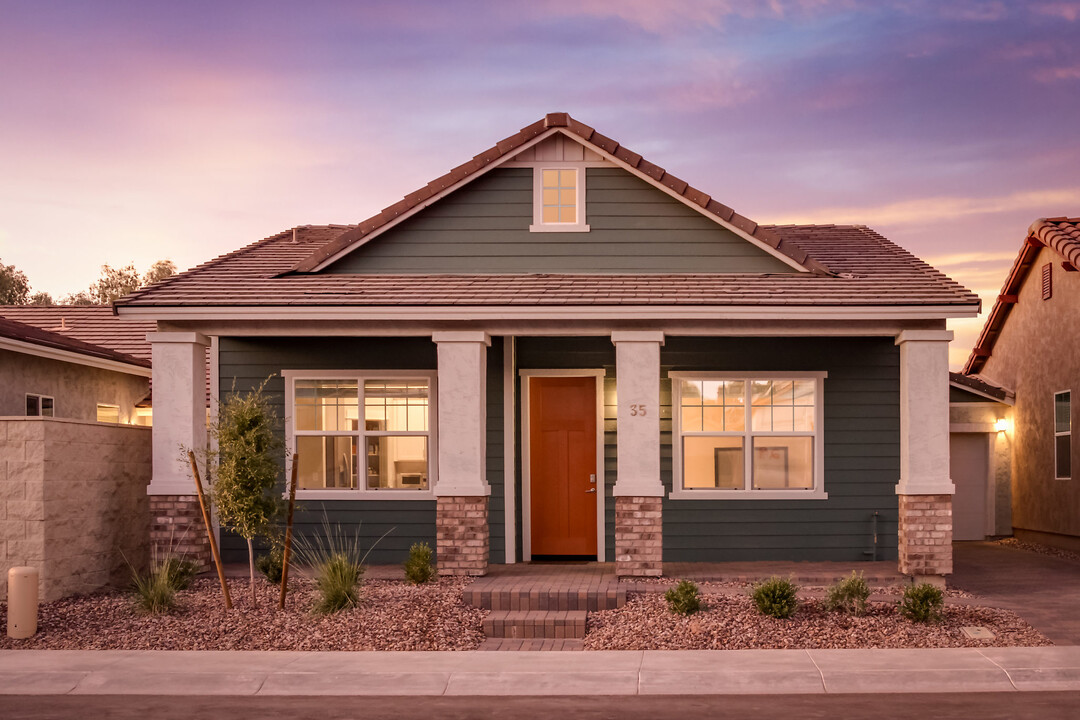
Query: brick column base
{"points": [[639, 536], [177, 529], [925, 535], [462, 536]]}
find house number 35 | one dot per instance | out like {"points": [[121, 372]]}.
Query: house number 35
{"points": [[637, 410]]}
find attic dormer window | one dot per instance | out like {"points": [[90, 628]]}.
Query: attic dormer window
{"points": [[559, 200]]}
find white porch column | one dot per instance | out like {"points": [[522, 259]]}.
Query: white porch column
{"points": [[638, 490], [637, 372], [924, 412], [463, 537], [179, 387], [925, 489]]}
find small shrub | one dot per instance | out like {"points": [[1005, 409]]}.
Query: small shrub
{"points": [[180, 571], [271, 565], [775, 597], [155, 589], [922, 603], [418, 568], [337, 564], [683, 598], [848, 595]]}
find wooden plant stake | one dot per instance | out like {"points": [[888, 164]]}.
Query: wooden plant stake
{"points": [[288, 534], [210, 531]]}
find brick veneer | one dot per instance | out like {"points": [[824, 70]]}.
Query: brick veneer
{"points": [[177, 528], [638, 536], [462, 535], [925, 534]]}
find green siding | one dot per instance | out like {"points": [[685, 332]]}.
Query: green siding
{"points": [[484, 228], [959, 395], [862, 436], [862, 456]]}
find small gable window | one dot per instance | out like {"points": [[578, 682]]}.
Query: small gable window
{"points": [[559, 200]]}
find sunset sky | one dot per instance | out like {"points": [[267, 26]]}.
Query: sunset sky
{"points": [[135, 131]]}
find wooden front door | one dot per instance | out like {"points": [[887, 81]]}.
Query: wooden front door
{"points": [[562, 465]]}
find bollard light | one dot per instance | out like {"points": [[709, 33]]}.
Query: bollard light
{"points": [[22, 602]]}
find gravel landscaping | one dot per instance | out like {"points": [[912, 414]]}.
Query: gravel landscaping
{"points": [[732, 623], [1039, 548], [392, 615]]}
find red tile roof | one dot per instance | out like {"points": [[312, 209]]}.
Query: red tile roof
{"points": [[869, 271], [22, 332], [1060, 234], [355, 235], [94, 324]]}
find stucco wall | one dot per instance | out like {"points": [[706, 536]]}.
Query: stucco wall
{"points": [[73, 502], [76, 389], [1036, 355]]}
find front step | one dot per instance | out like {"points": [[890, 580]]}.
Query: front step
{"points": [[607, 598], [529, 624]]}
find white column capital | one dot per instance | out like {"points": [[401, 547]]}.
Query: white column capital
{"points": [[641, 336], [193, 338], [461, 336], [924, 336]]}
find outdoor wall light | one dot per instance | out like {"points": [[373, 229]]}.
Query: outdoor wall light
{"points": [[1002, 425]]}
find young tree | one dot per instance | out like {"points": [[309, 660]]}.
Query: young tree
{"points": [[244, 491], [14, 289]]}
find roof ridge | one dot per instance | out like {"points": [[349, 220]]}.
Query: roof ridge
{"points": [[560, 121]]}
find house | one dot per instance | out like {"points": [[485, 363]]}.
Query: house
{"points": [[1029, 345], [49, 374], [561, 350]]}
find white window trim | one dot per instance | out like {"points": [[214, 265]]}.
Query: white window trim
{"points": [[362, 492], [538, 224], [98, 407], [40, 397], [1053, 425], [678, 492]]}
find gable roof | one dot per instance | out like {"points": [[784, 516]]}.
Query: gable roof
{"points": [[1060, 234], [94, 324], [978, 385], [23, 334], [510, 146], [870, 271]]}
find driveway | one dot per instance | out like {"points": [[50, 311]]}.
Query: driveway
{"points": [[1042, 589]]}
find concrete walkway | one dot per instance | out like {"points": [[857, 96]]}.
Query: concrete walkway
{"points": [[130, 672], [1042, 589]]}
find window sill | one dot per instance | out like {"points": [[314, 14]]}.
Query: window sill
{"points": [[679, 494], [555, 228], [364, 495]]}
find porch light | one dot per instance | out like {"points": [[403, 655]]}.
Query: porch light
{"points": [[1002, 425]]}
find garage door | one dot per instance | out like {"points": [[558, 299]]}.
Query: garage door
{"points": [[969, 468]]}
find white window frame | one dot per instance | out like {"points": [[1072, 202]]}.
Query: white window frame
{"points": [[538, 224], [678, 492], [362, 492], [1067, 433], [40, 397], [111, 407]]}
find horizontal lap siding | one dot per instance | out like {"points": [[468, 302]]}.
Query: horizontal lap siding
{"points": [[484, 227], [249, 361], [575, 353], [862, 456]]}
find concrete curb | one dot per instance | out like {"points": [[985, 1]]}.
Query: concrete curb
{"points": [[705, 672]]}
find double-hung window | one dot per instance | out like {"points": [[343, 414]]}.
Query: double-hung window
{"points": [[39, 405], [363, 434], [747, 435], [1063, 435]]}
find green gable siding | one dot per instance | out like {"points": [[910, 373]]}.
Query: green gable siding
{"points": [[246, 362], [484, 228], [960, 395]]}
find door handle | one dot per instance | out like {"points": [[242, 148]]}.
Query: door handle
{"points": [[591, 490]]}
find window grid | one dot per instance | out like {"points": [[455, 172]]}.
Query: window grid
{"points": [[559, 201]]}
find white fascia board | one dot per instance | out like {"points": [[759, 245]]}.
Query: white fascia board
{"points": [[431, 201], [555, 312], [75, 358], [993, 400]]}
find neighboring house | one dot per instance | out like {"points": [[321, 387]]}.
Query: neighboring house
{"points": [[47, 374], [559, 349], [1030, 345]]}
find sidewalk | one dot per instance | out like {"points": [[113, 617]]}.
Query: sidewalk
{"points": [[131, 672]]}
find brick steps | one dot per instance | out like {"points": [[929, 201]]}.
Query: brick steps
{"points": [[531, 624], [590, 600], [511, 644]]}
